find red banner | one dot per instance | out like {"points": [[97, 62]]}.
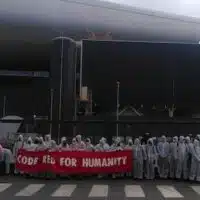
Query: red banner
{"points": [[74, 162]]}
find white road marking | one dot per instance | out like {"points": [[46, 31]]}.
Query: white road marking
{"points": [[30, 190], [99, 191], [169, 191], [64, 191], [4, 186], [134, 191], [196, 189]]}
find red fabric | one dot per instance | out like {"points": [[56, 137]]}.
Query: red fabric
{"points": [[74, 162]]}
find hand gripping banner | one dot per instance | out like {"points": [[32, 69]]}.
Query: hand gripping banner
{"points": [[74, 162]]}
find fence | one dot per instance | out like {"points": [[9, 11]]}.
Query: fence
{"points": [[95, 129]]}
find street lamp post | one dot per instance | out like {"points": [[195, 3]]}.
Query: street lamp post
{"points": [[51, 111], [4, 106], [117, 109]]}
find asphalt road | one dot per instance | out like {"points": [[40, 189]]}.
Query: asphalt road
{"points": [[19, 188]]}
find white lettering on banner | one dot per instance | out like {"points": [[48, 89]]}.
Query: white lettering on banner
{"points": [[110, 162], [68, 162], [105, 162], [124, 160], [47, 159], [118, 160], [27, 160], [97, 162]]}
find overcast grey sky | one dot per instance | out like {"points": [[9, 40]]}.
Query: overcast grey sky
{"points": [[181, 7]]}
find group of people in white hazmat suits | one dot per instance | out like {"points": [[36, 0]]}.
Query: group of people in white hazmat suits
{"points": [[175, 158]]}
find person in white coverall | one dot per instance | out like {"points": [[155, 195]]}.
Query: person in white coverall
{"points": [[47, 140], [88, 145], [139, 155], [151, 161], [102, 147], [129, 146], [6, 156], [17, 145], [80, 143], [163, 160], [181, 153], [195, 163], [117, 146], [63, 145], [73, 146], [188, 158], [9, 159], [173, 147], [41, 145], [53, 146], [36, 141], [198, 137], [29, 145]]}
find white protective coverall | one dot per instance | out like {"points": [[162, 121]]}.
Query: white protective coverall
{"points": [[41, 146], [53, 146], [88, 145], [9, 159], [173, 147], [63, 145], [181, 153], [195, 163], [29, 145], [73, 146], [129, 146], [80, 143], [102, 146], [163, 160], [47, 140], [151, 161], [139, 155], [188, 158], [18, 145]]}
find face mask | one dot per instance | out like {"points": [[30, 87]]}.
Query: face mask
{"points": [[64, 143], [36, 142], [29, 142], [137, 142], [130, 143]]}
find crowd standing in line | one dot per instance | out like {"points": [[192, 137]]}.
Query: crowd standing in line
{"points": [[175, 158]]}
